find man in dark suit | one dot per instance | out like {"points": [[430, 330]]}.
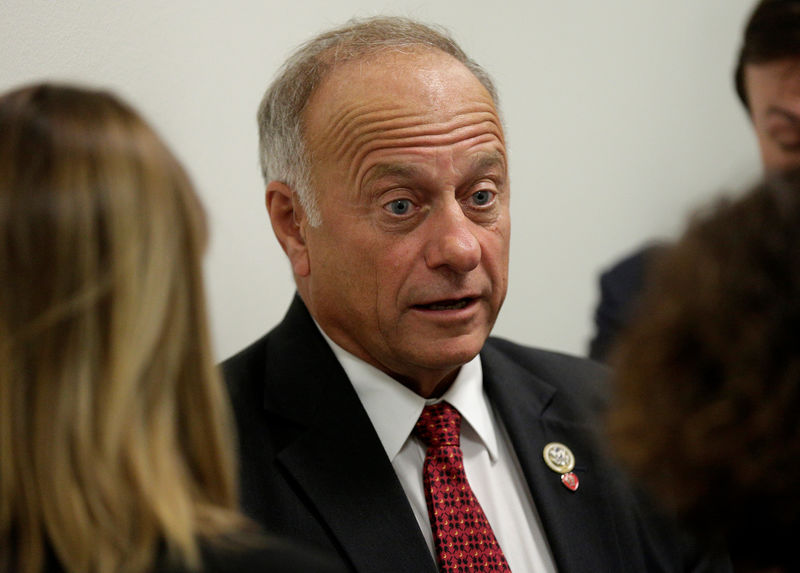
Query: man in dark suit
{"points": [[767, 81], [387, 187], [621, 286]]}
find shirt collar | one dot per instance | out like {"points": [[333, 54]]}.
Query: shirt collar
{"points": [[394, 409]]}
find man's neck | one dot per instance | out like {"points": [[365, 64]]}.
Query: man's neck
{"points": [[432, 386], [424, 382]]}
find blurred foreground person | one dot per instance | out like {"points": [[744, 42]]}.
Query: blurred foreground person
{"points": [[708, 378], [115, 445]]}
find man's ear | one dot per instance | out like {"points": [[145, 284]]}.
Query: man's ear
{"points": [[288, 223]]}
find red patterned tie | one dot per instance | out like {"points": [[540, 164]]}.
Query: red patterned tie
{"points": [[463, 537]]}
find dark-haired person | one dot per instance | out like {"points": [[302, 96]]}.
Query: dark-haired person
{"points": [[708, 378], [767, 80], [116, 451]]}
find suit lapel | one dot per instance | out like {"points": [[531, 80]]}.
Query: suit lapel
{"points": [[336, 457], [579, 525]]}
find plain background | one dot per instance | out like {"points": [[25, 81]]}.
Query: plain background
{"points": [[621, 118]]}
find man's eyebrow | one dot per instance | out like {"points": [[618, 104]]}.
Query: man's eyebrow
{"points": [[483, 162], [789, 116], [399, 170], [490, 160]]}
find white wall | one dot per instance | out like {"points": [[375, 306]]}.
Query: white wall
{"points": [[621, 117]]}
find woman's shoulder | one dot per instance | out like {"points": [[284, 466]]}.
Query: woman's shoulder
{"points": [[269, 554], [245, 553]]}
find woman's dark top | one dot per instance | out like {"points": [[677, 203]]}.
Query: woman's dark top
{"points": [[251, 554]]}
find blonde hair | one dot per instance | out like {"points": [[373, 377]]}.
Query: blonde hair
{"points": [[115, 432]]}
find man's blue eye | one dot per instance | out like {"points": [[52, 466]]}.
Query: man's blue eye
{"points": [[400, 206], [482, 197]]}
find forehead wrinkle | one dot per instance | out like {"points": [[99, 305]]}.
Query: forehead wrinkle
{"points": [[485, 127], [354, 118], [353, 125], [354, 128], [483, 161]]}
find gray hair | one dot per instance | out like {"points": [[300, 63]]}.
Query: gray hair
{"points": [[282, 148]]}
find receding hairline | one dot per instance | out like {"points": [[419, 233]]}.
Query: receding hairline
{"points": [[332, 67], [385, 55], [357, 40]]}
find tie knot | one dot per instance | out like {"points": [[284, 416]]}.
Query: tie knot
{"points": [[439, 425]]}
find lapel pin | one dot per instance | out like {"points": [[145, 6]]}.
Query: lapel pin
{"points": [[570, 481], [560, 459]]}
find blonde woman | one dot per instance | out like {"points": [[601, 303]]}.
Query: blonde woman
{"points": [[115, 438]]}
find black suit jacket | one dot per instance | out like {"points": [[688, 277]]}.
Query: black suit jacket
{"points": [[621, 287], [312, 465]]}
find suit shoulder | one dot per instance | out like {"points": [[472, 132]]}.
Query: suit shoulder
{"points": [[550, 365], [254, 353], [245, 367], [580, 380]]}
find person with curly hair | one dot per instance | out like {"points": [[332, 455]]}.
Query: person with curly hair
{"points": [[707, 378], [767, 81]]}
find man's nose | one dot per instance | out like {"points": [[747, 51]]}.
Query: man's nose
{"points": [[452, 241]]}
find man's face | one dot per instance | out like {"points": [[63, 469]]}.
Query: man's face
{"points": [[409, 267], [773, 90]]}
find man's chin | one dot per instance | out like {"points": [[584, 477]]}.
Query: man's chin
{"points": [[447, 355]]}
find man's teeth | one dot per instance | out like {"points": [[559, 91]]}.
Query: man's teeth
{"points": [[448, 305]]}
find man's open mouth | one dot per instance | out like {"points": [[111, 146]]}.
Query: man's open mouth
{"points": [[454, 304]]}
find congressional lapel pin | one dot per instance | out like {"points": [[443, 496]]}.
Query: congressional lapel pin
{"points": [[560, 459]]}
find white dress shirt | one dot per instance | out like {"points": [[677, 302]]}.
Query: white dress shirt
{"points": [[491, 465]]}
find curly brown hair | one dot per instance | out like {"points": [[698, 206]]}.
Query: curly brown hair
{"points": [[706, 411]]}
